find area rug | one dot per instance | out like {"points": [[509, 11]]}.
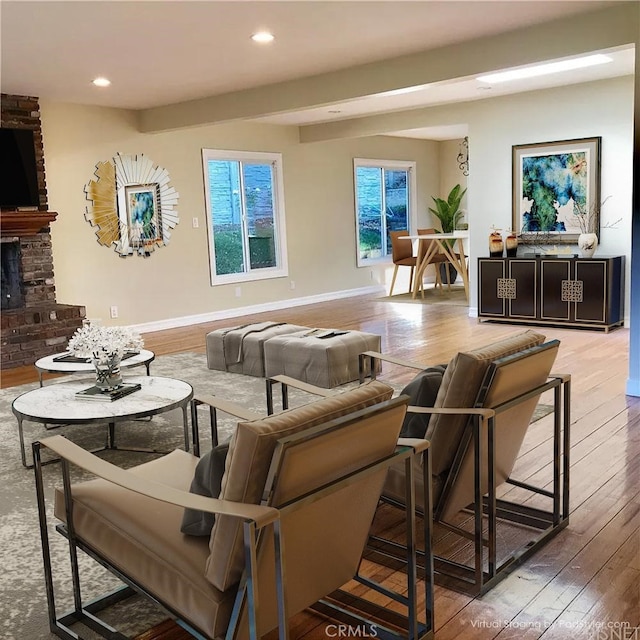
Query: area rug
{"points": [[456, 296], [23, 606]]}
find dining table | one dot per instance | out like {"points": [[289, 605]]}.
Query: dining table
{"points": [[449, 244]]}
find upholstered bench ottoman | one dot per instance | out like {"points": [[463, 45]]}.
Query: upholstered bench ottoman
{"points": [[323, 357], [241, 349]]}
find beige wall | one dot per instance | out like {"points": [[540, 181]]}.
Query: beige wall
{"points": [[578, 111], [318, 177], [450, 172], [174, 282]]}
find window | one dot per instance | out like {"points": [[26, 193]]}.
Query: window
{"points": [[245, 215], [385, 201]]}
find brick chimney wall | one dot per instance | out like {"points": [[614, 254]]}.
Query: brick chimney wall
{"points": [[41, 326]]}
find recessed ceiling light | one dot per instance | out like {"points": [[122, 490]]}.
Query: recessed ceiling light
{"points": [[263, 37], [102, 82], [544, 69]]}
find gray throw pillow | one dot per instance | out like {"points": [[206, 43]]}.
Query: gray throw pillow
{"points": [[206, 482], [422, 392]]}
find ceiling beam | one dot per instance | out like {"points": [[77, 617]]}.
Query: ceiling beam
{"points": [[574, 35]]}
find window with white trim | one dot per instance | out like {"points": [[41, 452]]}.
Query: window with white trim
{"points": [[245, 215], [385, 200]]}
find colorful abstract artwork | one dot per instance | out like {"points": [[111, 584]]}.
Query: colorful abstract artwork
{"points": [[142, 214], [552, 182]]}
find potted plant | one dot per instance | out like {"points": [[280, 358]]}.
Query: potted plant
{"points": [[449, 213]]}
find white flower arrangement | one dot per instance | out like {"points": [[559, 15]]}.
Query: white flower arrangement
{"points": [[103, 343]]}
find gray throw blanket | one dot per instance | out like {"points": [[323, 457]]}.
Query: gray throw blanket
{"points": [[233, 339]]}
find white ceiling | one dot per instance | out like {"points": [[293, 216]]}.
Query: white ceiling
{"points": [[163, 52]]}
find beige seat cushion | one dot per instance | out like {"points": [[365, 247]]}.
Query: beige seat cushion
{"points": [[325, 357], [247, 466], [460, 387], [142, 537]]}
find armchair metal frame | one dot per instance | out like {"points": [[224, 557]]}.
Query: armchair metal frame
{"points": [[256, 519], [486, 571], [217, 404]]}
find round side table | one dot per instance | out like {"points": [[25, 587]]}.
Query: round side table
{"points": [[56, 405], [67, 363]]}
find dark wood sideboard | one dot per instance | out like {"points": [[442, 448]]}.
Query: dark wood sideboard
{"points": [[558, 290]]}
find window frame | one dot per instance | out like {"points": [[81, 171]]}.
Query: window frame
{"points": [[281, 270], [412, 215]]}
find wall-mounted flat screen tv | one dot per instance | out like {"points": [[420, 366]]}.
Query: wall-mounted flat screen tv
{"points": [[18, 172]]}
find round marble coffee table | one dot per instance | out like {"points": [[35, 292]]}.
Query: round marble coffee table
{"points": [[66, 363], [56, 404]]}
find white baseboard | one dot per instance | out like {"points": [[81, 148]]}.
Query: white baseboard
{"points": [[236, 312]]}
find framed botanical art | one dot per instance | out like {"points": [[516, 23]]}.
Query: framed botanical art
{"points": [[554, 184]]}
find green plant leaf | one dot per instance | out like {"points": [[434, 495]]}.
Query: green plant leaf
{"points": [[448, 211]]}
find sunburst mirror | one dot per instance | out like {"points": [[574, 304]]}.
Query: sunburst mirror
{"points": [[132, 204]]}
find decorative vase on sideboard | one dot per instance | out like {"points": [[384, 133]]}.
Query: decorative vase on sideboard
{"points": [[496, 244], [511, 245], [587, 243]]}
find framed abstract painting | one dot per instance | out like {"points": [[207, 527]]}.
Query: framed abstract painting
{"points": [[554, 185], [143, 214]]}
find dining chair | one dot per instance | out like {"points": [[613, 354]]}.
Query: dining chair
{"points": [[402, 256], [436, 259]]}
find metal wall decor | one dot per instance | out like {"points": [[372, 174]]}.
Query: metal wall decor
{"points": [[132, 204], [463, 156]]}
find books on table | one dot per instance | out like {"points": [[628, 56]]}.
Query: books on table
{"points": [[68, 357], [95, 394]]}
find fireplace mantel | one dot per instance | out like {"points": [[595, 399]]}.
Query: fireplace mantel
{"points": [[24, 223]]}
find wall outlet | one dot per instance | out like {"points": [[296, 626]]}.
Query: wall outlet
{"points": [[113, 311], [292, 284], [238, 292], [196, 223]]}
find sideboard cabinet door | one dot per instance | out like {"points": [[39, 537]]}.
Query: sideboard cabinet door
{"points": [[491, 298], [591, 278], [556, 278], [523, 274]]}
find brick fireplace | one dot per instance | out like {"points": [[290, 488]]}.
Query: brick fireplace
{"points": [[33, 323]]}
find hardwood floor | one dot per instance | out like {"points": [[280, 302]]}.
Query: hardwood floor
{"points": [[585, 583]]}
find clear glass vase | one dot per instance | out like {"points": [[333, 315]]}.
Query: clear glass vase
{"points": [[108, 372]]}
